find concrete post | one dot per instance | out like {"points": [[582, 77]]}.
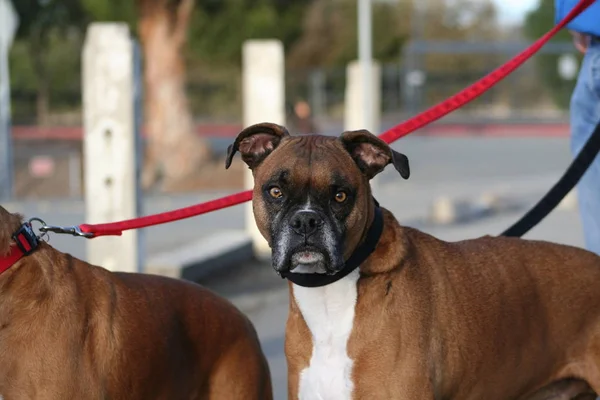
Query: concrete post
{"points": [[112, 151], [264, 101], [74, 174], [9, 21], [318, 95], [365, 56], [355, 114]]}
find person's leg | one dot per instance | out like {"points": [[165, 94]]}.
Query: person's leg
{"points": [[585, 115]]}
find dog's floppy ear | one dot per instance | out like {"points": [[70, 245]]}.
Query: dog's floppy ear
{"points": [[372, 154], [255, 143]]}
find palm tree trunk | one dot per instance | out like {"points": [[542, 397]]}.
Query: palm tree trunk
{"points": [[174, 150]]}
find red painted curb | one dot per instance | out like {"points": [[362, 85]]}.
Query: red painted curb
{"points": [[33, 132], [497, 130], [22, 132]]}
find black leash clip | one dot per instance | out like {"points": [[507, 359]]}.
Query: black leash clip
{"points": [[26, 240]]}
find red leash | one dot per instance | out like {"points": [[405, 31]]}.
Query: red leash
{"points": [[117, 228], [432, 114]]}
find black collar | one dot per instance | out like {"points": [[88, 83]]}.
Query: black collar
{"points": [[361, 253]]}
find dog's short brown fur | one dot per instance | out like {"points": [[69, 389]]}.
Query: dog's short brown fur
{"points": [[492, 318], [70, 330]]}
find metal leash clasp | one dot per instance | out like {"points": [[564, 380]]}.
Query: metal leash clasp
{"points": [[68, 230]]}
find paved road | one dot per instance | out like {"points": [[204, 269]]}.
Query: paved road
{"points": [[452, 166], [458, 167]]}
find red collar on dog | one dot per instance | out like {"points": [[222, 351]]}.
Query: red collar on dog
{"points": [[26, 242]]}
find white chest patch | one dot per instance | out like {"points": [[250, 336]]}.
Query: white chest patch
{"points": [[329, 314]]}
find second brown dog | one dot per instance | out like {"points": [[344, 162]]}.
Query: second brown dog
{"points": [[70, 330]]}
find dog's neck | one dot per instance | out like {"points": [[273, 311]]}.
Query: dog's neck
{"points": [[390, 250], [24, 273], [388, 255], [318, 301], [329, 313]]}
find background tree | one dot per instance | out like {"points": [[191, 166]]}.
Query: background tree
{"points": [[217, 32], [460, 20], [111, 10], [539, 21], [330, 33], [174, 151], [220, 27], [40, 23]]}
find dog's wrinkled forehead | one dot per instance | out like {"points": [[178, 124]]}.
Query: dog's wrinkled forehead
{"points": [[312, 160]]}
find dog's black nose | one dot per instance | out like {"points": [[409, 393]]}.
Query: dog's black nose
{"points": [[306, 222]]}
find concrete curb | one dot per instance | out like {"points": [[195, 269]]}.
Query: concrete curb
{"points": [[249, 303], [200, 258], [570, 202], [446, 210]]}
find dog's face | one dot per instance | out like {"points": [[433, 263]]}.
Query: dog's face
{"points": [[312, 200]]}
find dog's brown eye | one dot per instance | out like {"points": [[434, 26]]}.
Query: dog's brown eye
{"points": [[341, 197], [275, 192]]}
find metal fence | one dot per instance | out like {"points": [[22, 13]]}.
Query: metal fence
{"points": [[418, 83], [53, 167]]}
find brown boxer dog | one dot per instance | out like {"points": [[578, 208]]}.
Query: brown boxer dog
{"points": [[382, 311], [70, 330]]}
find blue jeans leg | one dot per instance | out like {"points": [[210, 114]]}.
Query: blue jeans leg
{"points": [[585, 115]]}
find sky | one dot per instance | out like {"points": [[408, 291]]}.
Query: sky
{"points": [[513, 11]]}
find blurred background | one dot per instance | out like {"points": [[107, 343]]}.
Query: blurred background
{"points": [[474, 172], [428, 50]]}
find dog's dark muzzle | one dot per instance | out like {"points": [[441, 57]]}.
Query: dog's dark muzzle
{"points": [[306, 223]]}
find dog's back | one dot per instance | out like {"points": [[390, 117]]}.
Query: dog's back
{"points": [[506, 309], [201, 335]]}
